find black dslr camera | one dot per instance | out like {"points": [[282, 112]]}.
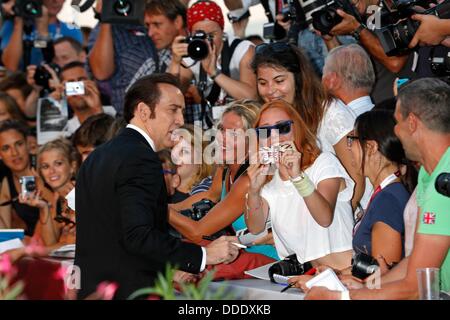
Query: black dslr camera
{"points": [[288, 267], [322, 14], [442, 184], [396, 36], [123, 12], [42, 76], [197, 45], [199, 209], [363, 265]]}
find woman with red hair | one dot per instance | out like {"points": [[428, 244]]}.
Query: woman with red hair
{"points": [[308, 197]]}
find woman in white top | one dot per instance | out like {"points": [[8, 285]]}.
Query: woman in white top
{"points": [[283, 72], [312, 220]]}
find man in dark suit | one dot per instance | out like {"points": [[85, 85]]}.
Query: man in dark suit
{"points": [[121, 205]]}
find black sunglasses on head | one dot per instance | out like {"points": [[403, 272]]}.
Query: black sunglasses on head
{"points": [[275, 47], [283, 127]]}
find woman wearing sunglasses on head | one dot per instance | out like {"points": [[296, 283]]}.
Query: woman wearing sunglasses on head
{"points": [[307, 198], [229, 185], [283, 72]]}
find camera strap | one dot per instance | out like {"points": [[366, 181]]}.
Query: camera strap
{"points": [[265, 4]]}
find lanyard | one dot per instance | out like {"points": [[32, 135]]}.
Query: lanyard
{"points": [[388, 180]]}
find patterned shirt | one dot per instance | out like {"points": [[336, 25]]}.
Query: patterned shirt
{"points": [[149, 66], [132, 47]]}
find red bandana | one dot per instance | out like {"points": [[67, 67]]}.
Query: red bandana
{"points": [[204, 10]]}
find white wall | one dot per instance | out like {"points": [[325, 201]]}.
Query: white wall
{"points": [[257, 19]]}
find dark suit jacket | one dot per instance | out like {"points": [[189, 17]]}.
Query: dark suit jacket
{"points": [[122, 223]]}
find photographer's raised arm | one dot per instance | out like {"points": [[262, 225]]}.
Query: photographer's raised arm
{"points": [[245, 87], [101, 57], [12, 54], [370, 42]]}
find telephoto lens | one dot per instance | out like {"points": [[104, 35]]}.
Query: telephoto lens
{"points": [[197, 45]]}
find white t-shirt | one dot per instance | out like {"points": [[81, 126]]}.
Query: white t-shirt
{"points": [[410, 214], [294, 229], [235, 60], [337, 122]]}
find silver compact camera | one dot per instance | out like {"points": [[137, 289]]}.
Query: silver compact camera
{"points": [[75, 88], [28, 184]]}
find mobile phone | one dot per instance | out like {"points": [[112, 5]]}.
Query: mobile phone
{"points": [[401, 82], [74, 88]]}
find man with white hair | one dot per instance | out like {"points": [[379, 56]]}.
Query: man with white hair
{"points": [[349, 75]]}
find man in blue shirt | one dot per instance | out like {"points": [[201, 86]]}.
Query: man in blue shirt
{"points": [[44, 28]]}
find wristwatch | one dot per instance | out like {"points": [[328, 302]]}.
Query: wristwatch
{"points": [[356, 34], [214, 76]]}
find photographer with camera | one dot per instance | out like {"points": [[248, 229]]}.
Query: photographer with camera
{"points": [[20, 179], [387, 68], [116, 51], [30, 31], [164, 20], [57, 165], [221, 68]]}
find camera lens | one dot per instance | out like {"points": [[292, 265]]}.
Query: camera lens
{"points": [[30, 186], [41, 77], [197, 49], [122, 7]]}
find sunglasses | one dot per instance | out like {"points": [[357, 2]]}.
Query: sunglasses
{"points": [[274, 47], [283, 128]]}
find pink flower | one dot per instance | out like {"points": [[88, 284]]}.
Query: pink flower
{"points": [[106, 290], [5, 264]]}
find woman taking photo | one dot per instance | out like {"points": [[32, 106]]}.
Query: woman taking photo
{"points": [[283, 72], [58, 163], [15, 154], [307, 199]]}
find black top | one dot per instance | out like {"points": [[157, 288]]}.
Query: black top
{"points": [[122, 218], [29, 215]]}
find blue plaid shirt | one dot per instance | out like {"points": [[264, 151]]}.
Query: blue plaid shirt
{"points": [[132, 47]]}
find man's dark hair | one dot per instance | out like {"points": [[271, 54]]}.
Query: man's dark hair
{"points": [[73, 64], [16, 80], [14, 125], [170, 8], [75, 44], [428, 99], [147, 90], [93, 131]]}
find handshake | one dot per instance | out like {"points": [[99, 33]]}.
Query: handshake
{"points": [[272, 154]]}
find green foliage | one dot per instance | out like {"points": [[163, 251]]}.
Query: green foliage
{"points": [[189, 291]]}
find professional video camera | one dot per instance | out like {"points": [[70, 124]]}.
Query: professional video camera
{"points": [[27, 9], [322, 14], [440, 62], [123, 11], [396, 36], [197, 45]]}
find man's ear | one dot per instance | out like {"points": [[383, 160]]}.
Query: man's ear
{"points": [[176, 181], [179, 24], [142, 111], [413, 122]]}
